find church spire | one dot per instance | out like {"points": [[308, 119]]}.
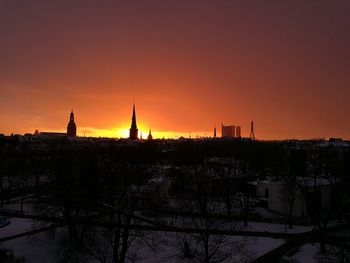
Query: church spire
{"points": [[150, 137], [72, 127], [133, 132], [133, 121], [71, 116]]}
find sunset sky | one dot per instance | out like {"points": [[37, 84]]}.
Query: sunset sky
{"points": [[188, 65]]}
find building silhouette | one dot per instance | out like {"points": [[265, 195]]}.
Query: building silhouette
{"points": [[252, 134], [71, 128], [228, 131], [238, 132], [150, 137], [133, 132]]}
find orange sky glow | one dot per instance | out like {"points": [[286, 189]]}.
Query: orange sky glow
{"points": [[188, 65]]}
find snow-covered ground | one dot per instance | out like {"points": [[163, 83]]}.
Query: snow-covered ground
{"points": [[15, 205], [310, 253], [273, 228], [306, 253], [46, 247], [168, 249], [35, 249], [185, 221], [16, 226]]}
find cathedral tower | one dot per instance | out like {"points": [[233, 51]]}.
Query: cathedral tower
{"points": [[133, 134], [71, 128], [150, 137]]}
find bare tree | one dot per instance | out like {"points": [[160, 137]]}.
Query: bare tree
{"points": [[340, 253], [337, 179], [210, 246], [289, 175], [112, 242], [311, 190], [11, 170], [246, 200], [290, 192], [227, 183], [3, 151], [72, 191]]}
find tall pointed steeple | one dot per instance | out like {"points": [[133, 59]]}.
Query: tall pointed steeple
{"points": [[71, 116], [150, 137], [71, 128], [133, 132], [133, 121]]}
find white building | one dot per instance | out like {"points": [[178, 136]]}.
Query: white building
{"points": [[309, 195]]}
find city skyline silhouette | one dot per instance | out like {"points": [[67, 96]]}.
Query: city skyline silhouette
{"points": [[72, 131]]}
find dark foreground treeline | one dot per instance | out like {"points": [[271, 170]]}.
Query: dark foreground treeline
{"points": [[85, 181], [31, 160]]}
